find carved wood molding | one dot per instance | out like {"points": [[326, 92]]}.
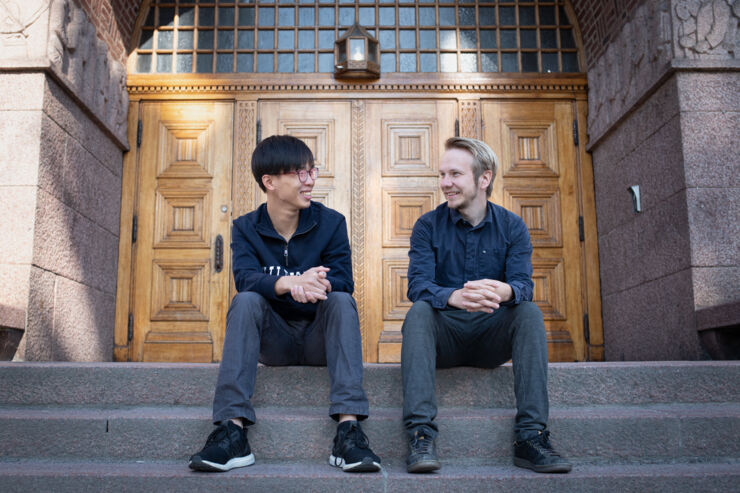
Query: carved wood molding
{"points": [[469, 112], [246, 140], [164, 88], [358, 209]]}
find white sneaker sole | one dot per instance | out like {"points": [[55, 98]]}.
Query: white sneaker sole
{"points": [[366, 465], [205, 465]]}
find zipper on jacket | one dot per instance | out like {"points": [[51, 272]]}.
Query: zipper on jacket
{"points": [[285, 254]]}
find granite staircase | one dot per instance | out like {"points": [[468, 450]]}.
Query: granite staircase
{"points": [[643, 427]]}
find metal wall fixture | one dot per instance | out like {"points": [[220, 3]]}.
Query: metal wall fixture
{"points": [[634, 191]]}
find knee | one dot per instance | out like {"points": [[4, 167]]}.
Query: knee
{"points": [[248, 300], [529, 317], [340, 299], [419, 317], [420, 309]]}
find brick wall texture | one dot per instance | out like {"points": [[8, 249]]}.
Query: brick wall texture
{"points": [[599, 21]]}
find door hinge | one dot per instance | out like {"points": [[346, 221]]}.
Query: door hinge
{"points": [[586, 332], [457, 128], [259, 131], [575, 132], [130, 326], [134, 229], [580, 228], [139, 130]]}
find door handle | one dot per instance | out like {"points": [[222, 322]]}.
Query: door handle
{"points": [[218, 263]]}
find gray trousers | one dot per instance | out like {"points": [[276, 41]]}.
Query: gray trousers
{"points": [[448, 338], [255, 332]]}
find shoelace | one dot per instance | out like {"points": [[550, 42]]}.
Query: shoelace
{"points": [[422, 444], [542, 444], [356, 436], [217, 436]]}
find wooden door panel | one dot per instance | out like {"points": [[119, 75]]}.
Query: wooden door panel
{"points": [[318, 134], [180, 220], [537, 181], [395, 285], [529, 147], [539, 208], [549, 287], [404, 143], [180, 290], [325, 128], [401, 208], [186, 149], [183, 198], [408, 148]]}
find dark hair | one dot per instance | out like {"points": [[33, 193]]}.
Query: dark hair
{"points": [[279, 154]]}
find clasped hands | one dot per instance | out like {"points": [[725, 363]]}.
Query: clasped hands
{"points": [[309, 287], [483, 295]]}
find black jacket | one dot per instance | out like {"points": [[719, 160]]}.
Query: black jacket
{"points": [[260, 255]]}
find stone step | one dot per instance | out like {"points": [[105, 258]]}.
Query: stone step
{"points": [[658, 433], [287, 477], [570, 384]]}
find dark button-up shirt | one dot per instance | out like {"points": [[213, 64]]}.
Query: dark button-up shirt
{"points": [[446, 252]]}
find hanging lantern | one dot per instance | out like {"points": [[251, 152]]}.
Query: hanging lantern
{"points": [[356, 55]]}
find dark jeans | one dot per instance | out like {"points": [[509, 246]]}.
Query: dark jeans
{"points": [[447, 338], [254, 331]]}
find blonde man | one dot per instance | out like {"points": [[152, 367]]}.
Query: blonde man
{"points": [[470, 281]]}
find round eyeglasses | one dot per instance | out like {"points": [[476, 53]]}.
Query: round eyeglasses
{"points": [[303, 174]]}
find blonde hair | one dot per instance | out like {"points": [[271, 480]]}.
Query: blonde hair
{"points": [[483, 157]]}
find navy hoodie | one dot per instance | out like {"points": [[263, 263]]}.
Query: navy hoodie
{"points": [[260, 255]]}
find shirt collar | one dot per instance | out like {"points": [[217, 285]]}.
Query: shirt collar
{"points": [[456, 217], [264, 223]]}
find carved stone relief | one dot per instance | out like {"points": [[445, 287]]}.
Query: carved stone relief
{"points": [[658, 32], [57, 35], [707, 28], [23, 28]]}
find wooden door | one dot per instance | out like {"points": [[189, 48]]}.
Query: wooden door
{"points": [[537, 180], [404, 142], [325, 127], [180, 295]]}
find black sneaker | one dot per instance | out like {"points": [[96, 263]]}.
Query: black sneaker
{"points": [[538, 455], [352, 451], [226, 448], [422, 453]]}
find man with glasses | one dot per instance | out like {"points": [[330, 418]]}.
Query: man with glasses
{"points": [[470, 279], [294, 306]]}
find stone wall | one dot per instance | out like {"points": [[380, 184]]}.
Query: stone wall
{"points": [[114, 21], [663, 114], [57, 37], [62, 134], [710, 129]]}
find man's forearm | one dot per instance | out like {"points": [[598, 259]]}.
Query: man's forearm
{"points": [[430, 292]]}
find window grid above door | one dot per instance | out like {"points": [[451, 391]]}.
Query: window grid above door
{"points": [[181, 36]]}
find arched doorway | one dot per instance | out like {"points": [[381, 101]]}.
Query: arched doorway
{"points": [[207, 81]]}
